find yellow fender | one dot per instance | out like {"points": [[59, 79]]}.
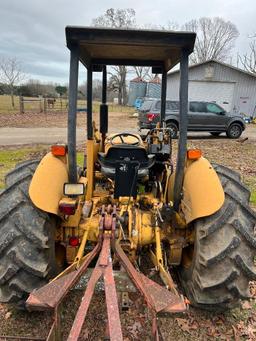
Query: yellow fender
{"points": [[46, 187], [203, 194]]}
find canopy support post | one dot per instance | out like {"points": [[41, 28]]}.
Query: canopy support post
{"points": [[72, 109], [183, 126]]}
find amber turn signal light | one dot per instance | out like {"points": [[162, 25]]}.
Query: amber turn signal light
{"points": [[194, 154], [59, 150]]}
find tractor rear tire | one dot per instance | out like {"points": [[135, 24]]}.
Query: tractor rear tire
{"points": [[224, 251], [27, 243], [20, 171]]}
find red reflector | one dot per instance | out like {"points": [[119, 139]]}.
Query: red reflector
{"points": [[73, 241], [59, 150], [151, 117], [67, 209]]}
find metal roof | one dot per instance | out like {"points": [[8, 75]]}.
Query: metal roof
{"points": [[107, 46], [217, 62]]}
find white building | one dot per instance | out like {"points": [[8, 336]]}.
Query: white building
{"points": [[228, 86]]}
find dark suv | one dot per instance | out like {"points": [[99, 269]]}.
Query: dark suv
{"points": [[202, 116]]}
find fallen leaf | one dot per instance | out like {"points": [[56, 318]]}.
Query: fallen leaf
{"points": [[251, 332], [183, 324], [85, 334], [8, 315], [236, 337], [246, 305], [135, 329], [212, 332]]}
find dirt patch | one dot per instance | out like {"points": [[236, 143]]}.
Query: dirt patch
{"points": [[240, 156], [59, 119], [38, 324], [237, 324]]}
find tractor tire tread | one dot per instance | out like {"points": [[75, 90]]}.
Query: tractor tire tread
{"points": [[232, 180], [20, 171], [27, 239], [224, 251]]}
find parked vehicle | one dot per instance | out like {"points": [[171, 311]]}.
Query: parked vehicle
{"points": [[202, 116], [140, 100], [247, 119]]}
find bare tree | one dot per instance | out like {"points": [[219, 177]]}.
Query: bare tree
{"points": [[144, 72], [11, 74], [248, 60], [215, 38], [117, 18], [170, 26], [117, 83]]}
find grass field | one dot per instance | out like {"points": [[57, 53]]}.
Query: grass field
{"points": [[10, 157], [59, 105]]}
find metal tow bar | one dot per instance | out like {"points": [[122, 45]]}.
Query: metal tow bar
{"points": [[50, 296]]}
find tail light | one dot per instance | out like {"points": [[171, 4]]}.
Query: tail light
{"points": [[74, 241], [151, 116], [67, 208]]}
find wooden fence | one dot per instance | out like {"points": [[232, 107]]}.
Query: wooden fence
{"points": [[42, 104], [49, 105]]}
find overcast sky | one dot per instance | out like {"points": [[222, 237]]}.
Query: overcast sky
{"points": [[33, 30]]}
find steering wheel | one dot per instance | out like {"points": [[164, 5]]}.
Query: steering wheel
{"points": [[122, 135]]}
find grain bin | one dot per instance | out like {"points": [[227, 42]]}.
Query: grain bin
{"points": [[137, 88], [154, 88]]}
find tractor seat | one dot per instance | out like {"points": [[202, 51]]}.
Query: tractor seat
{"points": [[125, 154]]}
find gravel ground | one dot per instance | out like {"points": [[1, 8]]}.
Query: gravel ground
{"points": [[16, 129]]}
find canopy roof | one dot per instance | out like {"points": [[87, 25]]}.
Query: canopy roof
{"points": [[105, 46]]}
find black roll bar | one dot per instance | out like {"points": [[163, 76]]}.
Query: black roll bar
{"points": [[183, 126], [89, 103], [163, 96], [72, 109]]}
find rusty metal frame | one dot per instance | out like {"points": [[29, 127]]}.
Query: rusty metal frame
{"points": [[102, 268], [158, 298]]}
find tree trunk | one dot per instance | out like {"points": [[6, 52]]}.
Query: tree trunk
{"points": [[120, 96], [123, 83], [124, 94], [12, 98]]}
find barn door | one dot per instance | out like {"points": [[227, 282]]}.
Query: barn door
{"points": [[244, 105]]}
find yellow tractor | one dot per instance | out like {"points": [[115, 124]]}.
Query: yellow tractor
{"points": [[127, 202]]}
